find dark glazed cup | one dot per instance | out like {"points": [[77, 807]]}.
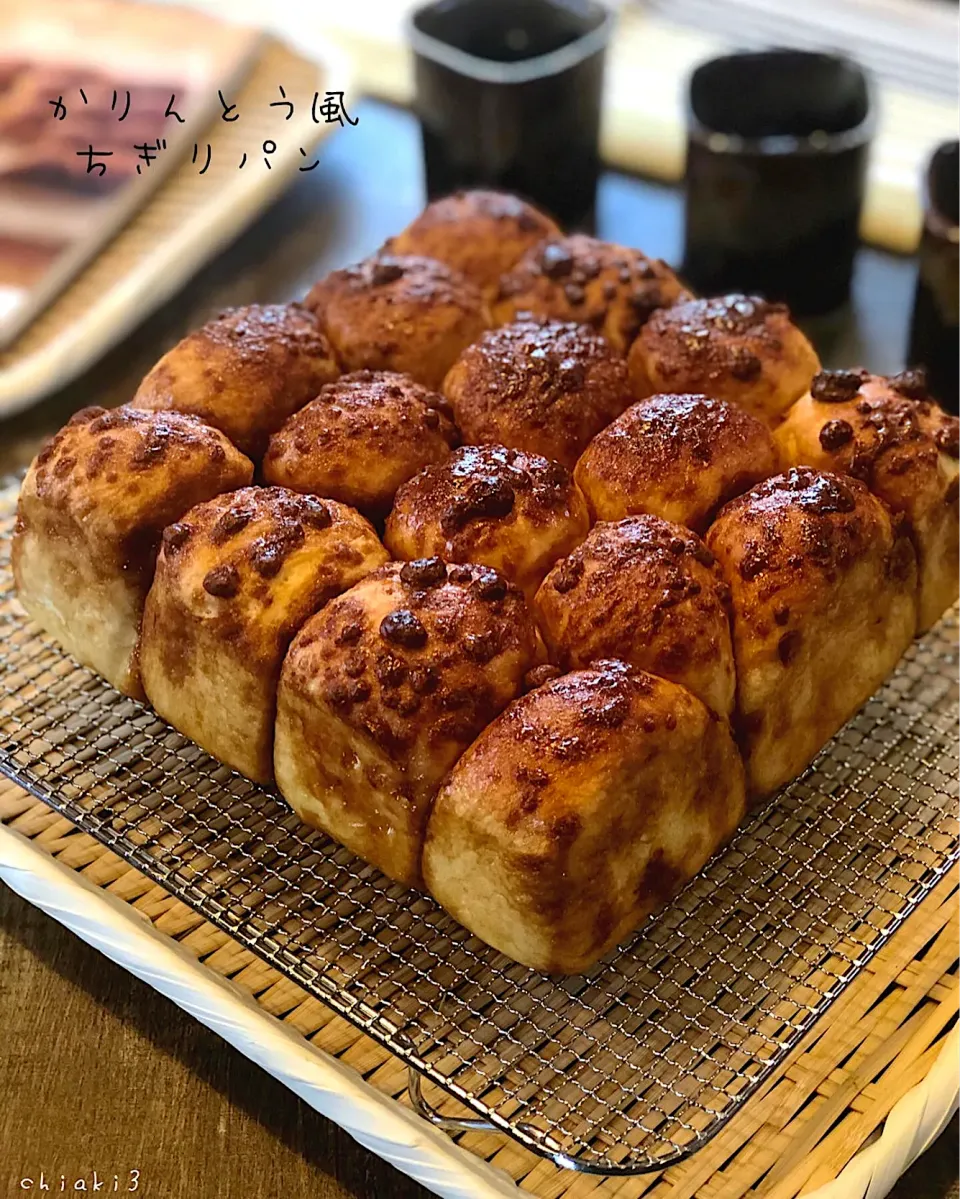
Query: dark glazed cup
{"points": [[776, 165], [508, 93], [934, 340]]}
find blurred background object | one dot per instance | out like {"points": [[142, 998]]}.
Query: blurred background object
{"points": [[508, 93], [776, 164], [934, 339]]}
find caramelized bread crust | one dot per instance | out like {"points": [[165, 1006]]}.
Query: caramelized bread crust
{"points": [[236, 578], [649, 593], [482, 234], [91, 511], [383, 690], [578, 278], [244, 372], [399, 313], [676, 456], [823, 594], [584, 807], [888, 433], [360, 439], [546, 387], [487, 504], [736, 348]]}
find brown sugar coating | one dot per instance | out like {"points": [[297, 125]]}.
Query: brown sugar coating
{"points": [[891, 435], [546, 387], [585, 806], [244, 372], [648, 592], [736, 348], [384, 689], [503, 508], [677, 456], [578, 278], [360, 439], [823, 602], [236, 578], [91, 511], [482, 234], [399, 313]]}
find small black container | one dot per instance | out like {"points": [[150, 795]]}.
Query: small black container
{"points": [[934, 333], [508, 93], [776, 167]]}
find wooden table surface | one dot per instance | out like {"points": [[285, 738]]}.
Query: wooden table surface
{"points": [[97, 1071]]}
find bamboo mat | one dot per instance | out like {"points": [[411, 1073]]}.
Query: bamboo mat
{"points": [[826, 1102]]}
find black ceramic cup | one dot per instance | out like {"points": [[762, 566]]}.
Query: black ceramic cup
{"points": [[776, 165], [508, 93], [934, 339]]}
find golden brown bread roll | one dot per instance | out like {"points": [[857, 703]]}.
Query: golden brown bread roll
{"points": [[584, 807], [891, 435], [648, 592], [546, 387], [598, 283], [736, 348], [245, 372], [360, 439], [503, 508], [92, 508], [383, 690], [823, 585], [482, 234], [399, 313], [235, 579], [677, 456]]}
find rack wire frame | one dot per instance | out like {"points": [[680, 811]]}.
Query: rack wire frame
{"points": [[629, 1068]]}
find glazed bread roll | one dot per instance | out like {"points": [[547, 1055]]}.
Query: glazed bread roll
{"points": [[360, 439], [482, 234], [546, 387], [578, 278], [503, 508], [823, 585], [584, 807], [235, 579], [891, 435], [649, 593], [383, 690], [735, 348], [676, 456], [244, 373], [399, 313], [92, 508]]}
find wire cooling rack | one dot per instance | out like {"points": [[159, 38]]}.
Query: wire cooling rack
{"points": [[628, 1068]]}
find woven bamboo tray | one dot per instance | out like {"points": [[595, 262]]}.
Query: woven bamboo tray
{"points": [[876, 1052]]}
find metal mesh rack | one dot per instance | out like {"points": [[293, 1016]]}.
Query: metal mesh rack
{"points": [[629, 1068]]}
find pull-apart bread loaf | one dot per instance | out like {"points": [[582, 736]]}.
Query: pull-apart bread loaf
{"points": [[236, 578], [487, 504], [546, 387], [245, 372], [676, 456], [823, 587], [888, 433], [649, 593], [92, 508], [482, 234], [384, 689], [584, 807], [360, 439], [578, 278], [736, 348], [396, 312]]}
